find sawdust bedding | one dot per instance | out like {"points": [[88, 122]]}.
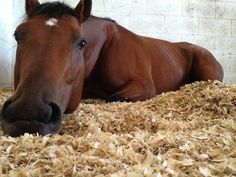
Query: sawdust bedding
{"points": [[190, 132]]}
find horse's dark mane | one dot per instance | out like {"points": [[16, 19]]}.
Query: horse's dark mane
{"points": [[109, 19], [105, 18], [57, 9], [52, 9]]}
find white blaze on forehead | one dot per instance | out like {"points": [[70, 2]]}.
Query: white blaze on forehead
{"points": [[52, 22]]}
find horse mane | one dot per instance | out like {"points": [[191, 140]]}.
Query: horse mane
{"points": [[52, 9], [106, 18], [58, 9]]}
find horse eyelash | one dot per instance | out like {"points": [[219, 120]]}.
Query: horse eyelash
{"points": [[79, 42]]}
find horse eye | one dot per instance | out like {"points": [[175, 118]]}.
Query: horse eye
{"points": [[81, 44], [17, 37]]}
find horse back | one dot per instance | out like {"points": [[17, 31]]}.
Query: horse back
{"points": [[170, 63]]}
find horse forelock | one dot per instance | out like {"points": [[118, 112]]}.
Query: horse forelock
{"points": [[52, 10], [56, 10]]}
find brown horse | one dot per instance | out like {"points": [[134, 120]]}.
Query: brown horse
{"points": [[52, 73]]}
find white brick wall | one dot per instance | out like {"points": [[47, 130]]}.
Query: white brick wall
{"points": [[208, 23], [5, 42]]}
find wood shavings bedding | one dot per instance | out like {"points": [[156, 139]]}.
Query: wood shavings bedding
{"points": [[190, 132]]}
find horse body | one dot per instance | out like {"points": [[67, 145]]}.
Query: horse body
{"points": [[130, 67]]}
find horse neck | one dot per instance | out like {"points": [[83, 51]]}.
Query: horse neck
{"points": [[98, 33]]}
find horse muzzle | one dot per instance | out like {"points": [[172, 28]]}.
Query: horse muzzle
{"points": [[18, 118]]}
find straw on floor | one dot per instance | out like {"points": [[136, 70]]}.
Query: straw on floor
{"points": [[190, 132]]}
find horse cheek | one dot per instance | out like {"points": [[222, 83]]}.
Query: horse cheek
{"points": [[75, 98], [76, 92]]}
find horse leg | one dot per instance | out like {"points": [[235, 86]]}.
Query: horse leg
{"points": [[206, 67], [134, 91]]}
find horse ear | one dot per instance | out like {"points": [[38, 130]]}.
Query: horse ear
{"points": [[30, 4], [83, 10]]}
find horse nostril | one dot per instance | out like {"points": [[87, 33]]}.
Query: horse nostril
{"points": [[6, 104], [4, 108], [56, 113]]}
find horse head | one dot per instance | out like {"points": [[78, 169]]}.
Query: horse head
{"points": [[49, 68]]}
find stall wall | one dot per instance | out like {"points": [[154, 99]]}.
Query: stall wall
{"points": [[6, 45], [208, 23]]}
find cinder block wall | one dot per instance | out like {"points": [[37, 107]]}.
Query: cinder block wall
{"points": [[5, 42], [208, 23]]}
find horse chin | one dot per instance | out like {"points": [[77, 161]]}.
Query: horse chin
{"points": [[73, 103], [19, 128]]}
